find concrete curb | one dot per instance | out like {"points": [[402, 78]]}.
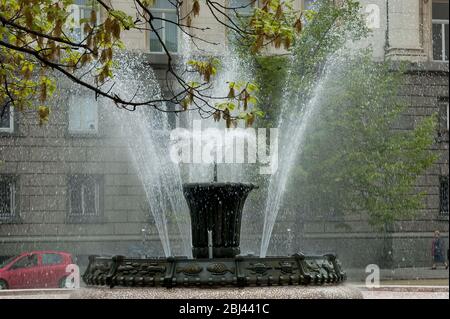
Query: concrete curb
{"points": [[33, 292]]}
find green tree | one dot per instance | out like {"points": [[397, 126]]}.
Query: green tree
{"points": [[353, 160], [36, 47]]}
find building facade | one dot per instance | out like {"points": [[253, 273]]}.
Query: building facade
{"points": [[69, 185]]}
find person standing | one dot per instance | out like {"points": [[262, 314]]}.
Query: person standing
{"points": [[437, 250]]}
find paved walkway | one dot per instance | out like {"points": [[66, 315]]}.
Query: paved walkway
{"points": [[383, 292], [405, 292], [422, 273], [404, 295], [36, 294]]}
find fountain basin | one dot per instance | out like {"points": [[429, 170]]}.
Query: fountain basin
{"points": [[241, 271], [216, 212]]}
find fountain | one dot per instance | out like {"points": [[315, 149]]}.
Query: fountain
{"points": [[216, 211]]}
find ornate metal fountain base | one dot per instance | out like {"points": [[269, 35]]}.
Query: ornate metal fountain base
{"points": [[239, 271]]}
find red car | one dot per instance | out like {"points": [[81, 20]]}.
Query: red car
{"points": [[36, 269]]}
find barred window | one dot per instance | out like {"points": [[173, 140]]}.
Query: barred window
{"points": [[444, 195], [85, 198], [8, 211], [6, 119]]}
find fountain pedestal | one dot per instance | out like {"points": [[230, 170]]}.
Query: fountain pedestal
{"points": [[216, 207]]}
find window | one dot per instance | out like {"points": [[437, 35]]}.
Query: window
{"points": [[51, 259], [167, 31], [26, 262], [80, 10], [444, 116], [440, 30], [8, 212], [308, 4], [85, 198], [444, 195], [242, 10], [83, 114], [443, 128], [6, 119], [171, 116]]}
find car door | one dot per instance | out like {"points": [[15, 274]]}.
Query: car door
{"points": [[53, 269], [30, 273], [23, 273], [14, 273]]}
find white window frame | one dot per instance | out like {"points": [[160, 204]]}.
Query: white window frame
{"points": [[83, 131], [9, 129], [75, 13], [442, 23], [162, 33]]}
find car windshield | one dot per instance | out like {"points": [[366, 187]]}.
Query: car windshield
{"points": [[7, 261]]}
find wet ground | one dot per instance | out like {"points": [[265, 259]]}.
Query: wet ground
{"points": [[384, 292], [404, 295]]}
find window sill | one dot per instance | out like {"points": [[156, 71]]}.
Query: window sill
{"points": [[9, 221], [86, 220], [156, 58], [7, 133], [80, 134]]}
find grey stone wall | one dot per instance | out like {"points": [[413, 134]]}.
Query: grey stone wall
{"points": [[43, 157]]}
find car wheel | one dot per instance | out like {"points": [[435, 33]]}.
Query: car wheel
{"points": [[62, 282], [3, 285]]}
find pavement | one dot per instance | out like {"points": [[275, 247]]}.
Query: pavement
{"points": [[36, 293], [404, 295], [405, 292], [381, 292], [413, 274], [400, 283]]}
